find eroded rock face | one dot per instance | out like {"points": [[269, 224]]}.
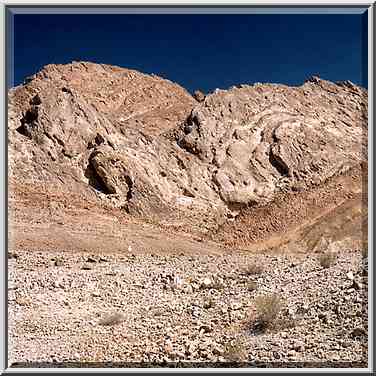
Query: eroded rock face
{"points": [[72, 125], [199, 96], [264, 138], [143, 143]]}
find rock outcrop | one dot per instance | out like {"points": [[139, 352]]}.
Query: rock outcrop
{"points": [[133, 203], [263, 138], [144, 144]]}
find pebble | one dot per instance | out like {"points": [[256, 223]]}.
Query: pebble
{"points": [[206, 283], [359, 331], [235, 306], [298, 346], [171, 324], [358, 285], [205, 329]]}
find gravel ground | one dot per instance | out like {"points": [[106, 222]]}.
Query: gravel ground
{"points": [[200, 311]]}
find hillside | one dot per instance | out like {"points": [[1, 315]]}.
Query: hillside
{"points": [[109, 161]]}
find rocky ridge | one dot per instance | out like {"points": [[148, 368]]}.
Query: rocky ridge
{"points": [[146, 223], [144, 144]]}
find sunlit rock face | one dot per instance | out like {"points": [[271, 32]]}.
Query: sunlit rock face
{"points": [[145, 144]]}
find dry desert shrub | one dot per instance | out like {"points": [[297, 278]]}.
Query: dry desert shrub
{"points": [[327, 259], [252, 269], [365, 249], [209, 303], [320, 245], [268, 308], [23, 301], [39, 138], [236, 350], [251, 286], [113, 319]]}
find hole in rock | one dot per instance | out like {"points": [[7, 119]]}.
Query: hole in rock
{"points": [[29, 118], [95, 180], [22, 129], [36, 101], [278, 164], [130, 186]]}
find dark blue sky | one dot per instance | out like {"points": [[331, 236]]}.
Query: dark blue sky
{"points": [[199, 51]]}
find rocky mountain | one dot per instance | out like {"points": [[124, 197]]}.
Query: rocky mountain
{"points": [[222, 229], [123, 139]]}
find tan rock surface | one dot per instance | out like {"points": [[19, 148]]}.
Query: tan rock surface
{"points": [[122, 139], [145, 223]]}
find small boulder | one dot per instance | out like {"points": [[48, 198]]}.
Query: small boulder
{"points": [[206, 283], [199, 96]]}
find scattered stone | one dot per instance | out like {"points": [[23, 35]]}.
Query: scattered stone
{"points": [[209, 303], [205, 329], [23, 300], [194, 329], [235, 306], [206, 283], [358, 285], [58, 262], [298, 346], [178, 283], [358, 332], [188, 289], [12, 286], [168, 347], [195, 312], [217, 349], [58, 285]]}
